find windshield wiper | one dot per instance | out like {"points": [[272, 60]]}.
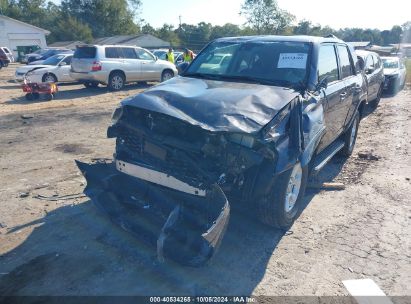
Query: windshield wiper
{"points": [[263, 81], [201, 75], [243, 78]]}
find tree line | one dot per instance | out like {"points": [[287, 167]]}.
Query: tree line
{"points": [[86, 20]]}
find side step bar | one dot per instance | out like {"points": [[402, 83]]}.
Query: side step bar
{"points": [[325, 156]]}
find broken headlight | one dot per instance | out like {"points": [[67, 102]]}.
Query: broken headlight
{"points": [[244, 140], [118, 112], [30, 73], [278, 127]]}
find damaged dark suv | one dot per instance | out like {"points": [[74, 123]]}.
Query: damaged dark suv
{"points": [[246, 122]]}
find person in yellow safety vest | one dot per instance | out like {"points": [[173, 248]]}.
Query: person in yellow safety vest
{"points": [[170, 55], [188, 55]]}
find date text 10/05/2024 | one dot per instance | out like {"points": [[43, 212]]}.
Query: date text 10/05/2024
{"points": [[204, 299]]}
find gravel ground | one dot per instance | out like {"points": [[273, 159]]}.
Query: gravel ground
{"points": [[67, 247]]}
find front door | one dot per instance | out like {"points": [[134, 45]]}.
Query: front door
{"points": [[149, 67], [333, 95], [64, 73], [131, 64]]}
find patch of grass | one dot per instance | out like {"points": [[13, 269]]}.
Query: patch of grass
{"points": [[408, 65]]}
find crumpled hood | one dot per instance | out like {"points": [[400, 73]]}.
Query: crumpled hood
{"points": [[26, 68], [215, 105]]}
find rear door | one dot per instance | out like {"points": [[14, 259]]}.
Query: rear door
{"points": [[350, 79], [113, 59], [379, 73], [131, 64], [371, 79], [83, 59], [333, 95]]}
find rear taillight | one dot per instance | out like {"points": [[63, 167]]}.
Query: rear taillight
{"points": [[96, 66]]}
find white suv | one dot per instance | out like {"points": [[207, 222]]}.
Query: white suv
{"points": [[115, 65]]}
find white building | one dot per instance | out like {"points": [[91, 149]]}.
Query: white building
{"points": [[15, 33]]}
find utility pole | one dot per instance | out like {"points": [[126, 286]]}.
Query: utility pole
{"points": [[179, 17]]}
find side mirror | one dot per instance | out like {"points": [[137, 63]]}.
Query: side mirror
{"points": [[62, 63], [155, 58], [322, 84]]}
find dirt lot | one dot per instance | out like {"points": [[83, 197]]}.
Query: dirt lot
{"points": [[67, 247]]}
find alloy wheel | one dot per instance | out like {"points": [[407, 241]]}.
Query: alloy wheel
{"points": [[117, 82], [293, 188]]}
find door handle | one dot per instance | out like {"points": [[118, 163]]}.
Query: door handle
{"points": [[358, 89]]}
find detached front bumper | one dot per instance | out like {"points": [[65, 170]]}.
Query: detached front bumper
{"points": [[182, 225]]}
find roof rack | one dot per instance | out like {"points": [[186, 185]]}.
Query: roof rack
{"points": [[331, 36]]}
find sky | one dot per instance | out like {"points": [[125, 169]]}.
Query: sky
{"points": [[337, 14]]}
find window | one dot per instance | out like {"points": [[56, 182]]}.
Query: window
{"points": [[85, 52], [377, 62], [129, 53], [369, 63], [345, 62], [53, 60], [390, 63], [67, 60], [113, 52], [144, 55], [327, 63]]}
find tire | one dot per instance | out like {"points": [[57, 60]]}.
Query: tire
{"points": [[29, 96], [402, 86], [350, 136], [116, 81], [166, 75], [395, 86], [49, 77], [1, 64], [278, 209], [89, 85]]}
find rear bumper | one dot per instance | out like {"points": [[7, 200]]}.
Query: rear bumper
{"points": [[182, 227], [98, 76]]}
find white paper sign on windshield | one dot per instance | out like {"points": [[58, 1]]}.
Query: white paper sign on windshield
{"points": [[292, 61]]}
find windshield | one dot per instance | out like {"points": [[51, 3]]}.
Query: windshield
{"points": [[161, 54], [390, 63], [275, 63], [53, 60]]}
